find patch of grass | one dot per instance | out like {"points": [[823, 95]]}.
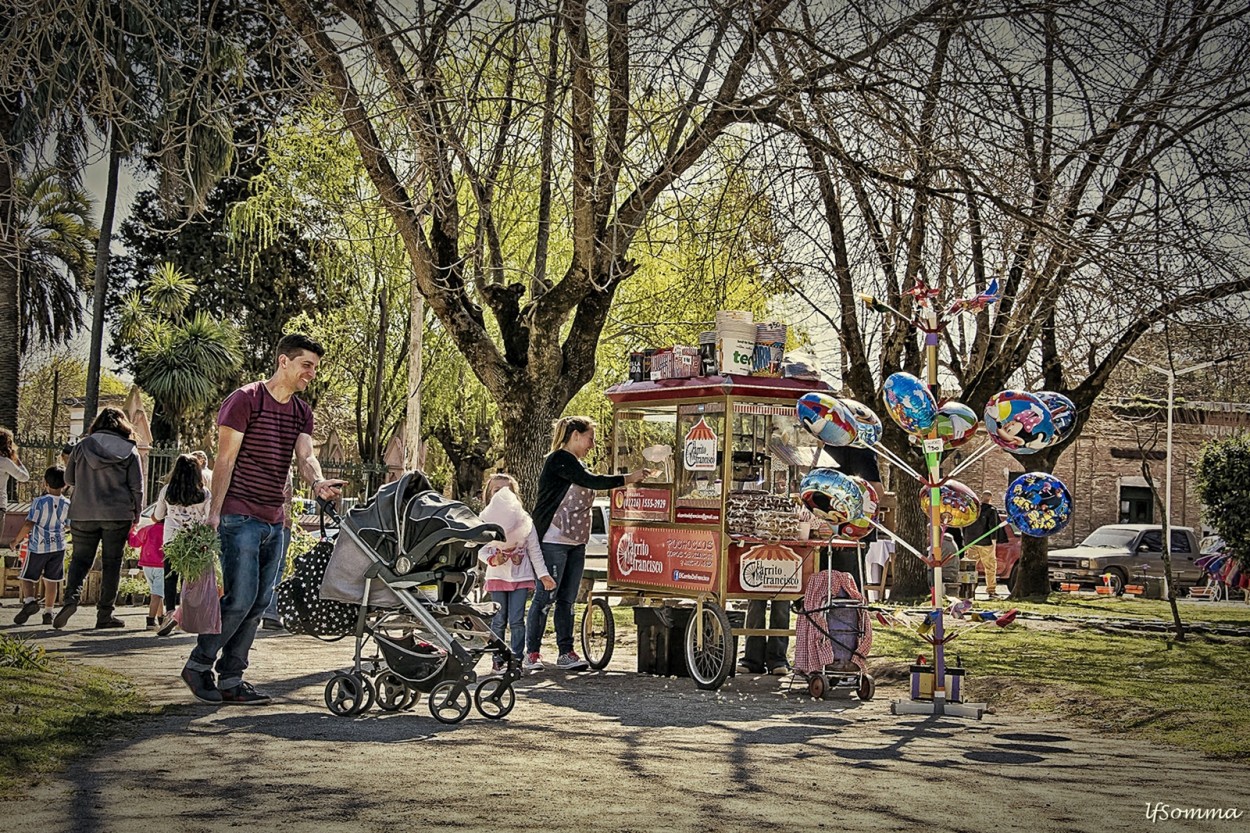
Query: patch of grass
{"points": [[1127, 607], [1188, 694], [53, 713]]}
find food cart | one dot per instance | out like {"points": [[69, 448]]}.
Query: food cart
{"points": [[716, 520]]}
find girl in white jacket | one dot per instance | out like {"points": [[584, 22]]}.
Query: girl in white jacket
{"points": [[512, 565]]}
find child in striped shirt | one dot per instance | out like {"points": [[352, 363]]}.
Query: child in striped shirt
{"points": [[45, 527]]}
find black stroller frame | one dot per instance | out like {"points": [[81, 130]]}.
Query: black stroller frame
{"points": [[422, 646], [852, 618]]}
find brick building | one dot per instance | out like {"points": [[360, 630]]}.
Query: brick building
{"points": [[1103, 466]]}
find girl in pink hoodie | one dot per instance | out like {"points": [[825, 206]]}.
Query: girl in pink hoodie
{"points": [[150, 540], [512, 565]]}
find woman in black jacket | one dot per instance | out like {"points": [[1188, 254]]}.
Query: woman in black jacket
{"points": [[108, 496], [566, 492]]}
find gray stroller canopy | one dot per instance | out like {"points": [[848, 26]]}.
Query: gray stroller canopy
{"points": [[407, 518]]}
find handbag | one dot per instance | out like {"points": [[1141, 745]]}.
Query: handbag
{"points": [[300, 605]]}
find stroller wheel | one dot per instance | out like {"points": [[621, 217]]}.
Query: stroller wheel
{"points": [[817, 685], [450, 702], [494, 698], [867, 687], [367, 694], [344, 694], [391, 691]]}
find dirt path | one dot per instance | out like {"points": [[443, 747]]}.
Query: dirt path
{"points": [[600, 751]]}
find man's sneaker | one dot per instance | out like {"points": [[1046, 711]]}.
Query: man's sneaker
{"points": [[109, 622], [47, 617], [201, 685], [497, 666], [243, 695], [571, 662], [533, 662], [64, 613], [28, 610], [167, 625], [780, 670]]}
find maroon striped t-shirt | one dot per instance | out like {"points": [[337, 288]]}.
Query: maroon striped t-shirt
{"points": [[270, 429]]}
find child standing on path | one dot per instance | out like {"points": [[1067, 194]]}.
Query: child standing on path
{"points": [[184, 501], [150, 541], [45, 526], [511, 566]]}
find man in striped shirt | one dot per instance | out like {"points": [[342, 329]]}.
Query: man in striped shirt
{"points": [[258, 428]]}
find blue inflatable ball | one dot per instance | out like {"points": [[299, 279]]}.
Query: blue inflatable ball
{"points": [[832, 495], [1038, 504], [826, 418], [909, 403]]}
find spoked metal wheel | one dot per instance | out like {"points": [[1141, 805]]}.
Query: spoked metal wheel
{"points": [[494, 698], [392, 692], [709, 647], [344, 694], [450, 702], [598, 633]]}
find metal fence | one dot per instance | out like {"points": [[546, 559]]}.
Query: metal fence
{"points": [[363, 479]]}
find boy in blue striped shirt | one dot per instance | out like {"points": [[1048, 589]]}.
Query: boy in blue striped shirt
{"points": [[45, 557]]}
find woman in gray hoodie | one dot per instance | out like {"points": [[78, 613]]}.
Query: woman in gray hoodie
{"points": [[108, 496]]}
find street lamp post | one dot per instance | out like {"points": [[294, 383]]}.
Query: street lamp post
{"points": [[1167, 478]]}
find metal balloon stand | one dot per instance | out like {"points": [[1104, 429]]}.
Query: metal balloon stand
{"points": [[933, 448]]}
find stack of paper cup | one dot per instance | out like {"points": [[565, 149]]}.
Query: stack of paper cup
{"points": [[735, 341], [770, 347]]}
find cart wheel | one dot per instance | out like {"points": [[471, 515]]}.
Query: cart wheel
{"points": [[817, 685], [494, 698], [450, 702], [709, 664], [368, 694], [343, 694], [598, 633], [867, 687], [391, 691]]}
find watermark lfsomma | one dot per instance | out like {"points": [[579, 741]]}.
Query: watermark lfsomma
{"points": [[1159, 811]]}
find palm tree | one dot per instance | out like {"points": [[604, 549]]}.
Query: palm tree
{"points": [[54, 243], [182, 361]]}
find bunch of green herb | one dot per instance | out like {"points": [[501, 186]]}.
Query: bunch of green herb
{"points": [[193, 551]]}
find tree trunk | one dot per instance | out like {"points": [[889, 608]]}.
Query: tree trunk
{"points": [[1032, 578], [526, 422], [91, 404], [911, 575], [10, 359]]}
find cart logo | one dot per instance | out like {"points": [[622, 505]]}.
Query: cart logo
{"points": [[632, 557], [700, 451], [771, 568]]}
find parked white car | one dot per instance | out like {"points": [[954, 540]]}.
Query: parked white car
{"points": [[597, 546]]}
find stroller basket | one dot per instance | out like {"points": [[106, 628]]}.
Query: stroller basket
{"points": [[415, 661]]}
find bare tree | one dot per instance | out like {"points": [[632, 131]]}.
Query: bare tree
{"points": [[549, 122], [1090, 160]]}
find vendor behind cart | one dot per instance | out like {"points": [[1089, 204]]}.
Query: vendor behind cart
{"points": [[562, 518]]}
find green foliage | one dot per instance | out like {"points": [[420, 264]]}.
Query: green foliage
{"points": [[194, 550], [301, 542], [17, 653], [181, 360], [133, 586], [1224, 487], [49, 379]]}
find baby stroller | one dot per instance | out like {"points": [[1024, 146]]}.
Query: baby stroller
{"points": [[405, 561], [833, 636]]}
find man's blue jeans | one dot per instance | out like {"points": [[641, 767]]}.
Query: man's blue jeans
{"points": [[251, 555], [271, 612], [565, 562]]}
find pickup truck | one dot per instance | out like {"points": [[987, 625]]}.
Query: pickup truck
{"points": [[1125, 551]]}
